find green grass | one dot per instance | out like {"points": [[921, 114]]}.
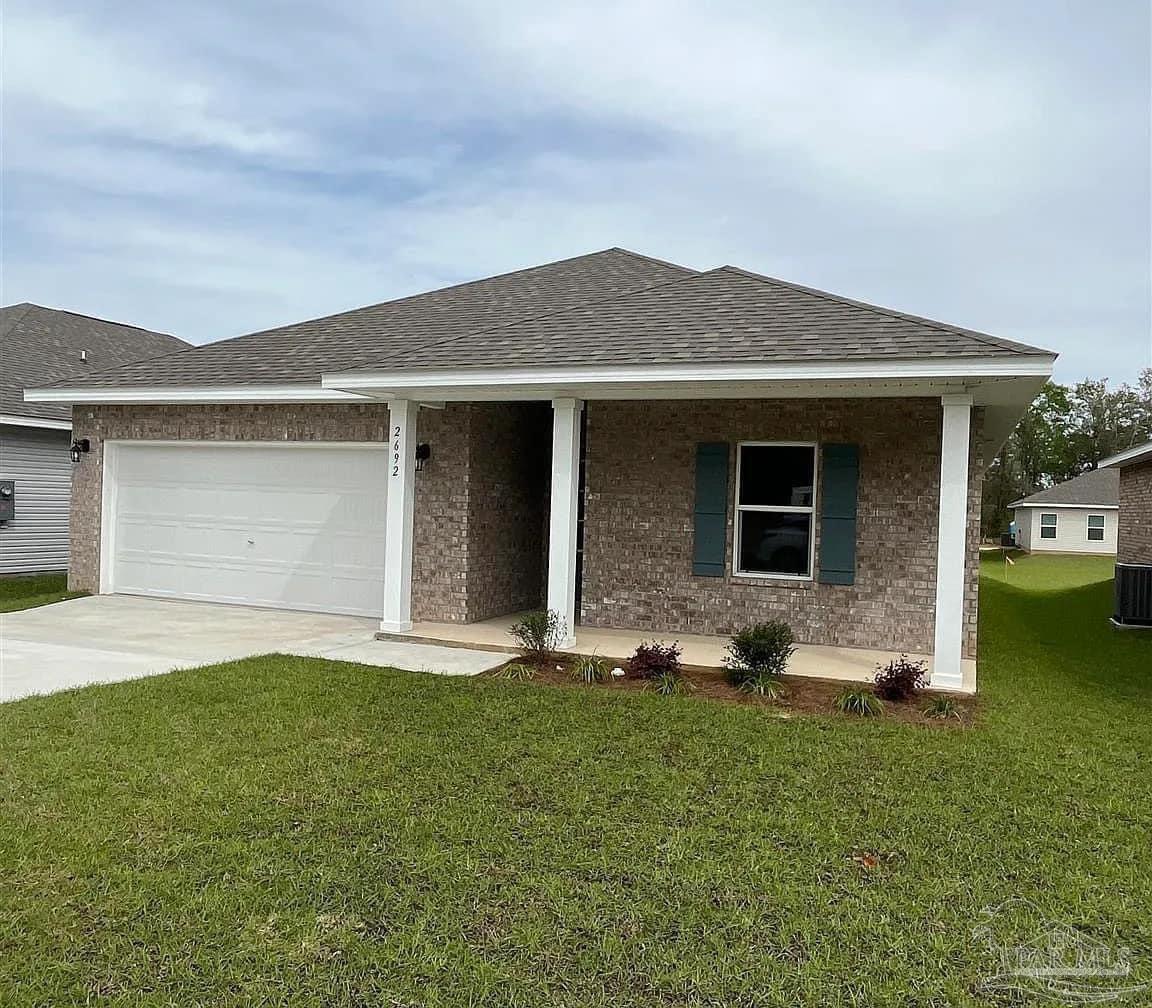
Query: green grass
{"points": [[284, 831], [36, 590]]}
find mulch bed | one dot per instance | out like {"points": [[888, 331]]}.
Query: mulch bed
{"points": [[802, 694]]}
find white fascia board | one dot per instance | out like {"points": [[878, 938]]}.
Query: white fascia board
{"points": [[1018, 506], [1021, 365], [23, 421], [1129, 457], [174, 394]]}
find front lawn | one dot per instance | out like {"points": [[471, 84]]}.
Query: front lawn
{"points": [[284, 831], [35, 590]]}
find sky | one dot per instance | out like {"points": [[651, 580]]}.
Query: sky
{"points": [[214, 168]]}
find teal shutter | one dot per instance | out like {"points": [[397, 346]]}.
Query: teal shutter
{"points": [[840, 485], [711, 509]]}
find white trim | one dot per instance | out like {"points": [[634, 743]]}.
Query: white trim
{"points": [[109, 485], [1049, 507], [23, 421], [1021, 365], [1132, 455], [563, 513], [399, 516], [175, 394], [952, 537], [1089, 528], [737, 507]]}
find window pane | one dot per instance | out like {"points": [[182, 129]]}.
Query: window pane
{"points": [[776, 475], [1048, 519], [774, 542], [1096, 521], [1096, 534]]}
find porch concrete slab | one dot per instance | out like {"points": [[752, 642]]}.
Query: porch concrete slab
{"points": [[109, 638], [705, 651]]}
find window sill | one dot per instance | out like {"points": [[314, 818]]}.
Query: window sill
{"points": [[795, 580]]}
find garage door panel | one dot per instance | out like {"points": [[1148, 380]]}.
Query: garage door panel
{"points": [[288, 527]]}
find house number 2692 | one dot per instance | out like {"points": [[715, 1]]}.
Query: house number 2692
{"points": [[396, 451]]}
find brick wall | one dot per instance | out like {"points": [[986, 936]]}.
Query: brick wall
{"points": [[639, 526], [479, 516], [1135, 542], [507, 497]]}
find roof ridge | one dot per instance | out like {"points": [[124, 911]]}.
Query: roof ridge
{"points": [[692, 274], [986, 338], [653, 259], [97, 318], [440, 290]]}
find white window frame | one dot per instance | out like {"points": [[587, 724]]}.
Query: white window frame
{"points": [[737, 507], [1055, 526], [1101, 528]]}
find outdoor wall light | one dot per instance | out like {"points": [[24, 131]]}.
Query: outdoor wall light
{"points": [[81, 446], [423, 454]]}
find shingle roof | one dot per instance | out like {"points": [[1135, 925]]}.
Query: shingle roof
{"points": [[612, 306], [39, 346], [726, 315], [302, 351], [1098, 488]]}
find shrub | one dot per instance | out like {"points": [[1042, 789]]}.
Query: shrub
{"points": [[942, 708], [760, 650], [860, 702], [765, 684], [590, 669], [900, 678], [668, 682], [516, 671], [539, 632], [652, 660]]}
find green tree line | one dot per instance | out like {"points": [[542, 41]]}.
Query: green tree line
{"points": [[1067, 430]]}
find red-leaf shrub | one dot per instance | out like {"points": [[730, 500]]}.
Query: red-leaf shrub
{"points": [[900, 678], [652, 660]]}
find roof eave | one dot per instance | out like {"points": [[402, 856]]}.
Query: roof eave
{"points": [[1133, 456]]}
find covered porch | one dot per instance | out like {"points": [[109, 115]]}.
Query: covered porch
{"points": [[625, 572]]}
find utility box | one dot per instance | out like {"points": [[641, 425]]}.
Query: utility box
{"points": [[7, 500]]}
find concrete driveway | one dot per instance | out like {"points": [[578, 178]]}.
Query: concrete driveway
{"points": [[109, 638]]}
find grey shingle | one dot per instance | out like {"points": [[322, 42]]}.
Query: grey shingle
{"points": [[303, 351], [1099, 487], [726, 315], [40, 346], [613, 306]]}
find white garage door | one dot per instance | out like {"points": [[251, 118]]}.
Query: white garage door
{"points": [[285, 526]]}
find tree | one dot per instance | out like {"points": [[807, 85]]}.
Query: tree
{"points": [[1066, 431]]}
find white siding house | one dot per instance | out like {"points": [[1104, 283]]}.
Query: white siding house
{"points": [[1079, 516]]}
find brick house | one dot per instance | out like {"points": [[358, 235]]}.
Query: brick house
{"points": [[629, 442], [1134, 542]]}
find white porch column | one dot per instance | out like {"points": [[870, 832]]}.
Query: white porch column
{"points": [[563, 513], [951, 547], [397, 617]]}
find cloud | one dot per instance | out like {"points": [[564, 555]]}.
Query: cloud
{"points": [[214, 168]]}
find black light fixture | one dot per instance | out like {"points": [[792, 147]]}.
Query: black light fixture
{"points": [[81, 446], [423, 454]]}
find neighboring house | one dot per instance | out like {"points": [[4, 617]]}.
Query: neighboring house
{"points": [[632, 443], [39, 346], [1077, 516], [1134, 549]]}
